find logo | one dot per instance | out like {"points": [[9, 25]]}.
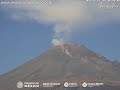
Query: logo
{"points": [[66, 84], [91, 84], [84, 84], [50, 84], [31, 84], [20, 84]]}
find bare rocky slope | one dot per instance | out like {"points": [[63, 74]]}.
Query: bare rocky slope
{"points": [[68, 62]]}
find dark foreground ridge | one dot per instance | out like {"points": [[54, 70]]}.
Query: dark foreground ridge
{"points": [[65, 63]]}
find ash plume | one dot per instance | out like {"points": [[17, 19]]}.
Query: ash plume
{"points": [[66, 16]]}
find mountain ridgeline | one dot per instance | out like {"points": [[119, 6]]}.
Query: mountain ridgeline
{"points": [[68, 62]]}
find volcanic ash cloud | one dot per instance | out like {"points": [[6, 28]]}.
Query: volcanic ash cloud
{"points": [[66, 16]]}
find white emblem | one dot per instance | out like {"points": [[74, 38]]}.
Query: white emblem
{"points": [[66, 84], [84, 84], [20, 84]]}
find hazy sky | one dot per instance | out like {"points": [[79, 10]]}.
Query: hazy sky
{"points": [[24, 39]]}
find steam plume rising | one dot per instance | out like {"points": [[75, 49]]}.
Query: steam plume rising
{"points": [[62, 33], [57, 42], [65, 15]]}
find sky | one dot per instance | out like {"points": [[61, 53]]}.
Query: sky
{"points": [[25, 36]]}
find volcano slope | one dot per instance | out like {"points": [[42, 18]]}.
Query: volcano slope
{"points": [[61, 63]]}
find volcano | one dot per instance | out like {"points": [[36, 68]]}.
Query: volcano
{"points": [[61, 63]]}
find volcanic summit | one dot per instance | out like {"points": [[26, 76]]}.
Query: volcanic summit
{"points": [[68, 62]]}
